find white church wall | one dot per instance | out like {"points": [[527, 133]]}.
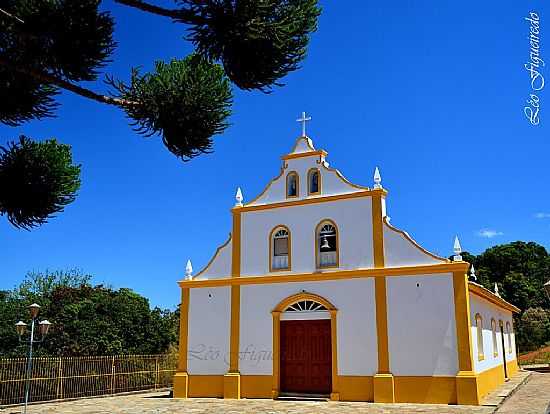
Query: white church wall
{"points": [[331, 182], [421, 325], [352, 217], [400, 251], [488, 310], [220, 264], [356, 323], [209, 327]]}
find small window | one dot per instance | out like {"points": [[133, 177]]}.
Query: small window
{"points": [[314, 181], [327, 245], [479, 326], [292, 184], [280, 249], [306, 306], [509, 333], [494, 331]]}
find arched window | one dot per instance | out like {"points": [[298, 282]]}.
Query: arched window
{"points": [[292, 185], [479, 326], [326, 250], [279, 255], [509, 332], [314, 181], [494, 331]]}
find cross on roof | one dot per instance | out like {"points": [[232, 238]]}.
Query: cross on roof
{"points": [[303, 120]]}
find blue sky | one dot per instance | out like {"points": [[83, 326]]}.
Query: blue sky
{"points": [[431, 92]]}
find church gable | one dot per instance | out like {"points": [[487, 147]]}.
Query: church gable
{"points": [[219, 265], [305, 174]]}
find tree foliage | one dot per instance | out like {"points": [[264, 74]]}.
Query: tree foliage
{"points": [[37, 180], [520, 270], [88, 320]]}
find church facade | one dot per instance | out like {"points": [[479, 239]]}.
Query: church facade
{"points": [[316, 293]]}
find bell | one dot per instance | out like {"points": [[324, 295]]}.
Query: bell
{"points": [[325, 244]]}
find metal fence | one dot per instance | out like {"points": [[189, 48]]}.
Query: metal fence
{"points": [[75, 377]]}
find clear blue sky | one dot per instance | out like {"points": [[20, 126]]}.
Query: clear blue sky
{"points": [[431, 92]]}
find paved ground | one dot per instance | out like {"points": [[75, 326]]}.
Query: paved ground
{"points": [[531, 398]]}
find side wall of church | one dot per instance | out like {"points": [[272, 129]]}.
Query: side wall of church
{"points": [[352, 217], [421, 325], [209, 331], [356, 324], [489, 311]]}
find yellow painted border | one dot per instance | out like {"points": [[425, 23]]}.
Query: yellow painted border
{"points": [[413, 242], [236, 245], [288, 175], [433, 270], [484, 293], [317, 229], [479, 332], [377, 229], [184, 330], [319, 153], [276, 314], [271, 234], [216, 253], [319, 181], [494, 336]]}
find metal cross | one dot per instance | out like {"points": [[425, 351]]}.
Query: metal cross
{"points": [[303, 120]]}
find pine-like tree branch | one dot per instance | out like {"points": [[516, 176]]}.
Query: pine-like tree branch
{"points": [[182, 15], [11, 16], [79, 90]]}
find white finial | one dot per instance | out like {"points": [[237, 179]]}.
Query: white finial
{"points": [[473, 273], [496, 290], [188, 269], [377, 178], [239, 198], [303, 120], [457, 249]]}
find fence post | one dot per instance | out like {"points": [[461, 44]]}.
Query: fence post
{"points": [[157, 371], [113, 375], [59, 393]]}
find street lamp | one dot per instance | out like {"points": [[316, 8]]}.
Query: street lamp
{"points": [[21, 327]]}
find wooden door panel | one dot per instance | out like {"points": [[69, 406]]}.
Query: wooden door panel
{"points": [[306, 356]]}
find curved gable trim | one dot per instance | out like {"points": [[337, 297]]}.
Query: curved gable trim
{"points": [[216, 253]]}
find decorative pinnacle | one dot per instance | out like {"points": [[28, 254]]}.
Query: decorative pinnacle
{"points": [[496, 290], [377, 178], [188, 269], [457, 249], [473, 273], [239, 198]]}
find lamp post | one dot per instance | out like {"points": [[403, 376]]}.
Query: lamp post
{"points": [[21, 327]]}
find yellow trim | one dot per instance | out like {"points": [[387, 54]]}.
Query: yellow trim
{"points": [[235, 329], [425, 390], [479, 331], [184, 330], [433, 270], [384, 388], [267, 187], [213, 257], [304, 201], [236, 245], [317, 247], [490, 379], [494, 336], [205, 386], [509, 333], [356, 388], [462, 320], [271, 252], [276, 314], [344, 179], [256, 386], [415, 244], [320, 153], [377, 229], [382, 325], [180, 383], [491, 297], [289, 174], [319, 181], [467, 388]]}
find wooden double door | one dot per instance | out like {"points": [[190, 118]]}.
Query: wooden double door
{"points": [[306, 356]]}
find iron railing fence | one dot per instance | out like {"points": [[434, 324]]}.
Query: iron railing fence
{"points": [[75, 377]]}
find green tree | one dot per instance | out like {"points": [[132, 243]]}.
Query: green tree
{"points": [[534, 329], [37, 180], [88, 320]]}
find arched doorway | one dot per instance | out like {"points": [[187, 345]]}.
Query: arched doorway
{"points": [[304, 345]]}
